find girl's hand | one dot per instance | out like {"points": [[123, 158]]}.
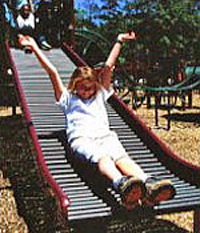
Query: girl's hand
{"points": [[27, 41], [126, 36]]}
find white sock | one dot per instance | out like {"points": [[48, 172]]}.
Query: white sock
{"points": [[116, 181]]}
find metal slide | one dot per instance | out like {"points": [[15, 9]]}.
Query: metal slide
{"points": [[46, 124]]}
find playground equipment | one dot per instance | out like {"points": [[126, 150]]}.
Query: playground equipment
{"points": [[79, 199], [7, 88], [89, 43], [182, 90]]}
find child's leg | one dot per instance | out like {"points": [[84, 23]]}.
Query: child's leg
{"points": [[91, 150], [157, 190], [107, 167], [129, 168], [131, 188]]}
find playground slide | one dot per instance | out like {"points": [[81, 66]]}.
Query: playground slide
{"points": [[77, 197]]}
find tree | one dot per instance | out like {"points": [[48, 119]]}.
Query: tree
{"points": [[167, 30]]}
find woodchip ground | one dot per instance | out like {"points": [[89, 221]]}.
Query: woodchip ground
{"points": [[183, 138]]}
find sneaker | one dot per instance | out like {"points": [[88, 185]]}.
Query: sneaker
{"points": [[131, 190], [158, 191], [45, 46]]}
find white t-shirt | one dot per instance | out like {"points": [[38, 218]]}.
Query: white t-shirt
{"points": [[29, 22], [85, 117]]}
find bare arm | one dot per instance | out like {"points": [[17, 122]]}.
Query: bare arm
{"points": [[114, 53], [45, 63]]}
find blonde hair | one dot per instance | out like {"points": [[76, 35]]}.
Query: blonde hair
{"points": [[82, 73]]}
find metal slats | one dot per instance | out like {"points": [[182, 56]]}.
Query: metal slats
{"points": [[47, 119], [186, 193], [80, 195]]}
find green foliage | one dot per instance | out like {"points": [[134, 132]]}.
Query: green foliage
{"points": [[165, 28], [169, 27]]}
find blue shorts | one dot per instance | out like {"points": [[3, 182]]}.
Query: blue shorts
{"points": [[92, 149]]}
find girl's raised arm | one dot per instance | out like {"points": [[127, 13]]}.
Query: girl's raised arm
{"points": [[111, 60], [56, 81]]}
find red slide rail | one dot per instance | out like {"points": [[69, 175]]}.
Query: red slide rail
{"points": [[64, 201]]}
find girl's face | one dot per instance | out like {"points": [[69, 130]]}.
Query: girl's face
{"points": [[85, 89], [25, 11]]}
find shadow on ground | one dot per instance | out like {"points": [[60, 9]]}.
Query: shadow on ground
{"points": [[129, 226], [184, 117]]}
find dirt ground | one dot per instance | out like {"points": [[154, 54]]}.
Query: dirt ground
{"points": [[183, 138]]}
